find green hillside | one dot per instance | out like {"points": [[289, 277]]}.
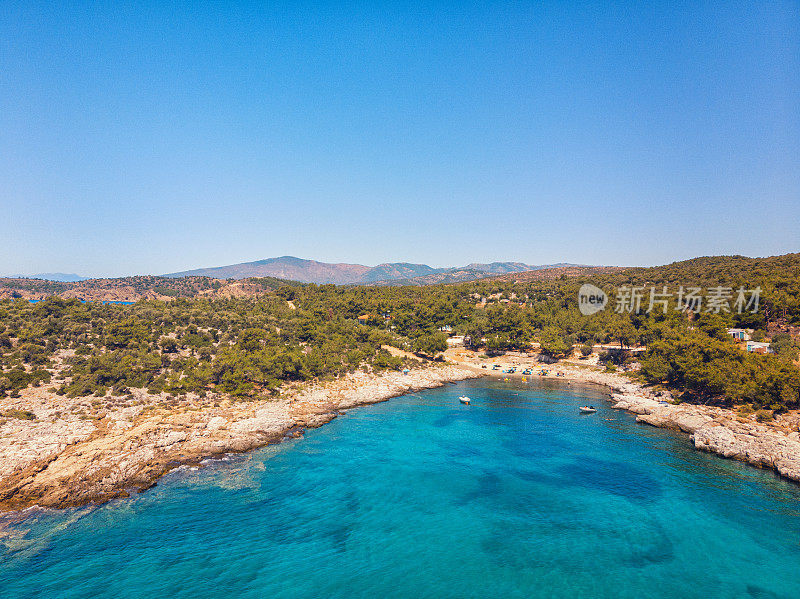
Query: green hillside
{"points": [[250, 346]]}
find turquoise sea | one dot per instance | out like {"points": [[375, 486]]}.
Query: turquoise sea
{"points": [[516, 495]]}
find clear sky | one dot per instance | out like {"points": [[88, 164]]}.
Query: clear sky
{"points": [[160, 136]]}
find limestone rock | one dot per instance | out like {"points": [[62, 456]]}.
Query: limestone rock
{"points": [[216, 423], [64, 459]]}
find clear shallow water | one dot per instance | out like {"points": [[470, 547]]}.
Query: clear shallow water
{"points": [[517, 495]]}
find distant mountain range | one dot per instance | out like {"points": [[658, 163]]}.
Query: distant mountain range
{"points": [[311, 271], [709, 270]]}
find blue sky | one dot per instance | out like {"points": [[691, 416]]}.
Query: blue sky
{"points": [[155, 137]]}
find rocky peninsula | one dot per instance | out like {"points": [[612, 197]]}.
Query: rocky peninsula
{"points": [[59, 452], [713, 429]]}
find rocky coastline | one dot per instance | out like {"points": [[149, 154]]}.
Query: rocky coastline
{"points": [[713, 429], [59, 459]]}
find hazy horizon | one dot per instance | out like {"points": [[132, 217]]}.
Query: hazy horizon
{"points": [[85, 276], [32, 275], [173, 138]]}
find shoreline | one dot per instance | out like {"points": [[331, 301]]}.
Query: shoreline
{"points": [[126, 453], [712, 429]]}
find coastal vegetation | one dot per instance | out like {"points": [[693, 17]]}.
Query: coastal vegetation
{"points": [[249, 346], [135, 288]]}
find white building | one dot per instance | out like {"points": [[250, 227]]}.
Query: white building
{"points": [[739, 334], [758, 347]]}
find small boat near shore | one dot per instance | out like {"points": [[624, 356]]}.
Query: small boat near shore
{"points": [[587, 409], [464, 399]]}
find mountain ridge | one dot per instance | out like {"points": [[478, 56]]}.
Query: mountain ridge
{"points": [[343, 273]]}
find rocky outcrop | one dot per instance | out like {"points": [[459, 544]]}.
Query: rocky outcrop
{"points": [[713, 429], [65, 460]]}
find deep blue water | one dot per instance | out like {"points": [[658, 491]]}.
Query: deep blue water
{"points": [[517, 495]]}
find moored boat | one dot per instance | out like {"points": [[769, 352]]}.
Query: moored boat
{"points": [[464, 399], [587, 409]]}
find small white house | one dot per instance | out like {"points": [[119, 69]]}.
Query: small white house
{"points": [[455, 341], [758, 347], [739, 334]]}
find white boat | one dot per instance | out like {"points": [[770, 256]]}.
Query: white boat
{"points": [[587, 409], [464, 399]]}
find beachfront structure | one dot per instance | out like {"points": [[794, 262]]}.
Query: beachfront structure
{"points": [[739, 334], [758, 347]]}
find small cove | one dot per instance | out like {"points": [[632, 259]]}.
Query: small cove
{"points": [[515, 495]]}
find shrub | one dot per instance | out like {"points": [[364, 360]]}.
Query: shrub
{"points": [[168, 345], [19, 414], [764, 415]]}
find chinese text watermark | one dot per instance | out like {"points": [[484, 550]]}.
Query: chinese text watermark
{"points": [[634, 300]]}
